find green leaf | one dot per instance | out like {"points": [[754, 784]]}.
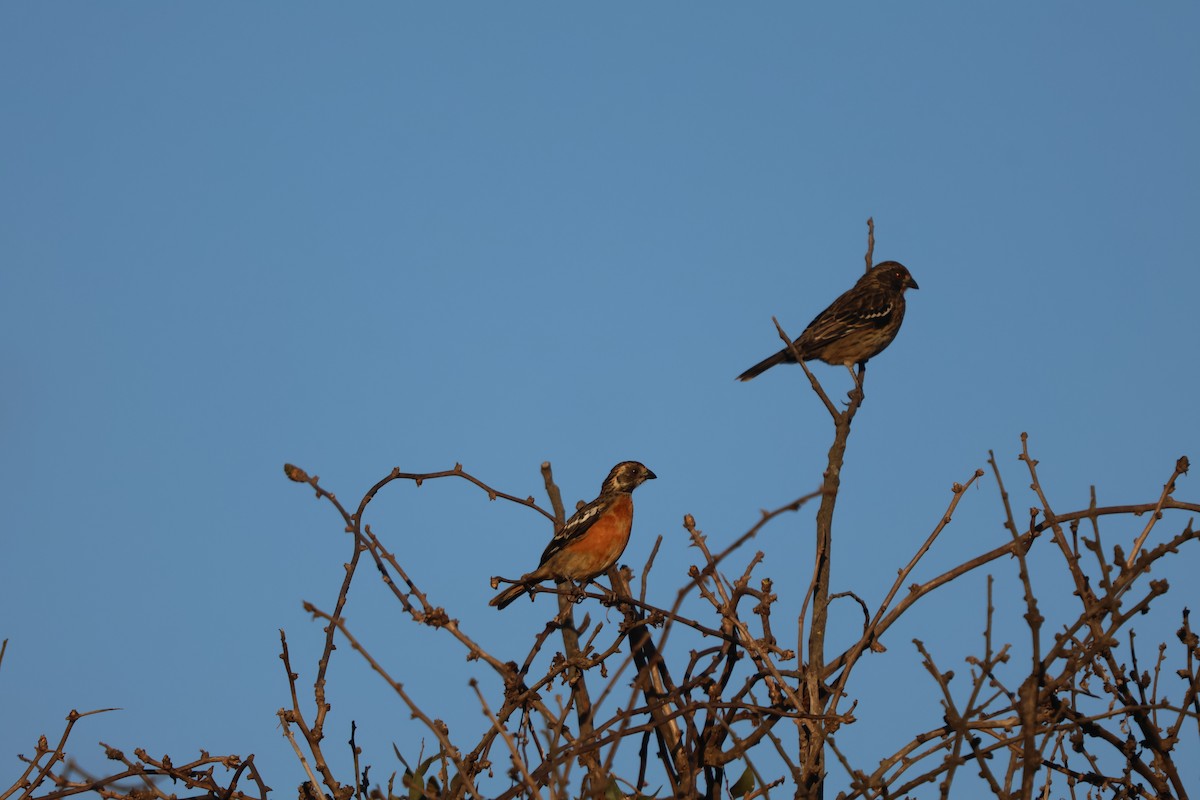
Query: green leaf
{"points": [[421, 770], [416, 787], [743, 785]]}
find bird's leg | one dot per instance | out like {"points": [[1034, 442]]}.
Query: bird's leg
{"points": [[577, 591], [856, 394]]}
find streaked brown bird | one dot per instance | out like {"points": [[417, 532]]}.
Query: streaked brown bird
{"points": [[856, 327], [593, 539]]}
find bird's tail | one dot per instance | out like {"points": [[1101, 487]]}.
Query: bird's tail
{"points": [[505, 598], [764, 365]]}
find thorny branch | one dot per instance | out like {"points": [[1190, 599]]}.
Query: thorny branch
{"points": [[668, 696], [1081, 711]]}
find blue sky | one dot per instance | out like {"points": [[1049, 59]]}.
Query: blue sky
{"points": [[359, 237]]}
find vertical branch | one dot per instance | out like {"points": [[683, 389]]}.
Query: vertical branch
{"points": [[570, 636], [556, 503], [658, 689], [1029, 691], [353, 526], [812, 754], [1027, 706], [1190, 674]]}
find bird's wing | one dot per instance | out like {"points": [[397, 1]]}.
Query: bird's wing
{"points": [[576, 526], [853, 311]]}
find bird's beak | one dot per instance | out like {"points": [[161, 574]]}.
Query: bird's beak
{"points": [[650, 475], [910, 283]]}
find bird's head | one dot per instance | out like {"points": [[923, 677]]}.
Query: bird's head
{"points": [[893, 275], [627, 476]]}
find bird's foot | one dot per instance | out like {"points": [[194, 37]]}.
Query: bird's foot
{"points": [[610, 598], [856, 394]]}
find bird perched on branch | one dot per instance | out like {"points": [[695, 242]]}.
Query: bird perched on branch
{"points": [[593, 539], [856, 327]]}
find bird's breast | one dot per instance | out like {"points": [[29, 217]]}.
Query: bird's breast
{"points": [[599, 547]]}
